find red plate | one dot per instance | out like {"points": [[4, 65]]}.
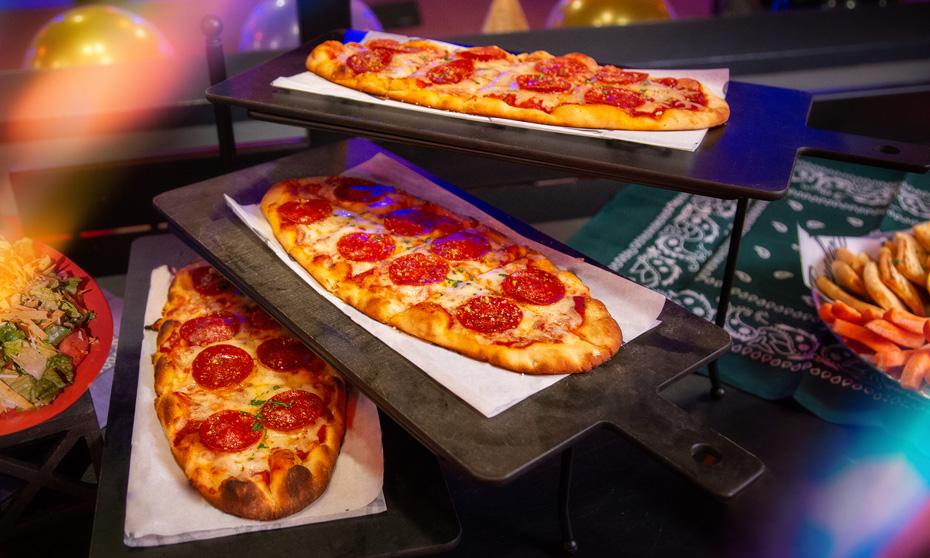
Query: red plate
{"points": [[100, 327]]}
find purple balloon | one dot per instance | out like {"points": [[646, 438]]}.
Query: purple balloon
{"points": [[272, 25]]}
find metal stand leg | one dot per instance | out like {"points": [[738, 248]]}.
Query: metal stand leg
{"points": [[736, 234], [64, 495], [212, 28], [565, 481]]}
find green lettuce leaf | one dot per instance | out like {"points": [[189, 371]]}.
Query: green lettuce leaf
{"points": [[12, 348], [59, 366], [9, 332], [56, 333]]}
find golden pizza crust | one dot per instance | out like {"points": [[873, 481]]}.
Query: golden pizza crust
{"points": [[607, 117], [572, 354], [290, 482]]}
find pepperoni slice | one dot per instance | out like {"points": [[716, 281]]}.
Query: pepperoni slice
{"points": [[208, 281], [445, 224], [698, 99], [544, 83], [291, 410], [621, 98], [359, 190], [580, 305], [483, 53], [410, 222], [689, 84], [561, 66], [192, 427], [211, 328], [667, 82], [391, 45], [259, 319], [451, 72], [489, 314], [462, 245], [373, 60], [349, 181], [418, 269], [305, 212], [615, 76], [530, 103], [364, 247], [221, 365], [230, 431], [534, 286], [286, 354]]}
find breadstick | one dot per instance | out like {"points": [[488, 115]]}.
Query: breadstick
{"points": [[922, 234], [847, 278], [908, 260], [832, 291], [899, 284], [880, 293]]}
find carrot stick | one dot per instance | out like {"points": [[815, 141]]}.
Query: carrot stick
{"points": [[826, 312], [896, 334], [915, 370], [869, 314], [843, 311], [868, 338], [892, 359], [906, 320]]}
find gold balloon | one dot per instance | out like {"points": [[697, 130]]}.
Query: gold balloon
{"points": [[95, 35], [600, 13]]}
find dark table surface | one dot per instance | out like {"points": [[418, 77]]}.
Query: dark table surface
{"points": [[624, 503]]}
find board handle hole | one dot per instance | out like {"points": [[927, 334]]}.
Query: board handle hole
{"points": [[705, 454], [889, 149]]}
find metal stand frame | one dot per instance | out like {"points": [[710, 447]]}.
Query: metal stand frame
{"points": [[717, 391], [212, 28], [76, 423], [736, 234], [569, 544]]}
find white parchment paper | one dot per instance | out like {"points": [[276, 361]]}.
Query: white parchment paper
{"points": [[687, 140], [487, 388], [818, 252], [162, 508]]}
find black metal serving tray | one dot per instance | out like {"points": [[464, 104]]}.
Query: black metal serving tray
{"points": [[751, 156], [420, 517], [621, 393]]}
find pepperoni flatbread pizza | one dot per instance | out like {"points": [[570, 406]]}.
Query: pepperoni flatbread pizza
{"points": [[254, 418], [439, 276], [570, 90]]}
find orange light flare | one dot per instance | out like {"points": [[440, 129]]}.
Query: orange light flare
{"points": [[86, 112]]}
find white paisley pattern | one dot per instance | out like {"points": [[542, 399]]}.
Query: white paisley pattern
{"points": [[688, 239], [685, 235], [834, 185], [753, 329], [914, 203]]}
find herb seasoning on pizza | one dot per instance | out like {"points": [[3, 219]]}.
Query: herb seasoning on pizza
{"points": [[570, 90], [254, 418], [439, 276]]}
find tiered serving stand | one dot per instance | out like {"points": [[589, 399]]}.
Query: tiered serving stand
{"points": [[751, 157]]}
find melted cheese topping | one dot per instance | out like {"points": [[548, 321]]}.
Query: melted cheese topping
{"points": [[248, 396], [497, 79]]}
